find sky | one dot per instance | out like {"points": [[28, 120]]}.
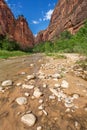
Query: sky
{"points": [[36, 12]]}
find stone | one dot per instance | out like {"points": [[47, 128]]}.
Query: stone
{"points": [[29, 77], [75, 96], [27, 94], [44, 85], [54, 91], [52, 97], [1, 88], [29, 119], [39, 128], [41, 101], [23, 73], [41, 77], [27, 86], [21, 100], [41, 107], [57, 76], [45, 112], [37, 93], [7, 83], [19, 84], [65, 84], [69, 102], [57, 85]]}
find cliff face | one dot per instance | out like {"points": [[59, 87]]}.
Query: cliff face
{"points": [[7, 20], [68, 15], [17, 30], [22, 33]]}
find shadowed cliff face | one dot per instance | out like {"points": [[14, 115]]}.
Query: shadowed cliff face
{"points": [[22, 33], [7, 20], [17, 30], [68, 15]]}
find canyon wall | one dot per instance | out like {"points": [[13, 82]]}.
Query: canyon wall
{"points": [[16, 29], [68, 15]]}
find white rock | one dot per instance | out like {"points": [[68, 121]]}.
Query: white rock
{"points": [[52, 97], [75, 96], [41, 101], [67, 110], [39, 128], [41, 107], [28, 119], [27, 86], [1, 88], [37, 93], [54, 91], [45, 112], [44, 85], [7, 83], [58, 76], [41, 77], [18, 84], [57, 85], [69, 102], [31, 65], [29, 77], [23, 73], [21, 100], [26, 94], [65, 84]]}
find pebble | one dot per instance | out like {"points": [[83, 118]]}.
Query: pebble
{"points": [[41, 107], [27, 86], [21, 100], [65, 84], [39, 128], [1, 88], [7, 83], [19, 84], [31, 65], [41, 101], [45, 112], [23, 73], [37, 93], [44, 85], [29, 119], [58, 76], [52, 97], [29, 77], [75, 96], [27, 94], [57, 85]]}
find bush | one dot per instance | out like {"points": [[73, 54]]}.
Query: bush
{"points": [[5, 44], [67, 43]]}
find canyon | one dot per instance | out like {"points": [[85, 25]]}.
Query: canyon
{"points": [[15, 29], [68, 15]]}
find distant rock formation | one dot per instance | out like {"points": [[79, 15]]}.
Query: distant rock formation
{"points": [[68, 15], [22, 33], [17, 30]]}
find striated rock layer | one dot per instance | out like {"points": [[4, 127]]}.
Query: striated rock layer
{"points": [[68, 15], [17, 30]]}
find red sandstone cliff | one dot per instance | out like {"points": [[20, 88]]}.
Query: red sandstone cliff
{"points": [[22, 33], [67, 15], [17, 30]]}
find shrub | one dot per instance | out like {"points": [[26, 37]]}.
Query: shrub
{"points": [[5, 44]]}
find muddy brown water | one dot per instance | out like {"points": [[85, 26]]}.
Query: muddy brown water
{"points": [[57, 118], [12, 68]]}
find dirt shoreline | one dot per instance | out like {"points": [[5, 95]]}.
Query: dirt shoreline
{"points": [[58, 108]]}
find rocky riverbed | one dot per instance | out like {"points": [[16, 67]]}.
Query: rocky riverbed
{"points": [[43, 93]]}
